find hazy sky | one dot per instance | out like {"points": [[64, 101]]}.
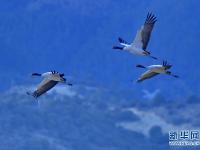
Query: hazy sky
{"points": [[76, 37]]}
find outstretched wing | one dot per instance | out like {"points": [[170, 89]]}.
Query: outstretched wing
{"points": [[43, 87], [148, 74], [144, 33]]}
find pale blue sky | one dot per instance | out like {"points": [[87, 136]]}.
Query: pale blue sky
{"points": [[76, 37]]}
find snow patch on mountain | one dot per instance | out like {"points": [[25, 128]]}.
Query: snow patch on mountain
{"points": [[149, 119]]}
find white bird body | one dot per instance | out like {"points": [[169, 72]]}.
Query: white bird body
{"points": [[134, 50], [46, 74], [157, 68]]}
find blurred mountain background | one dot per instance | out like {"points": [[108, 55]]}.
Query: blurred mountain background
{"points": [[105, 109], [88, 118]]}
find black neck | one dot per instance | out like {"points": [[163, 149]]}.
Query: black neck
{"points": [[36, 74], [140, 66]]}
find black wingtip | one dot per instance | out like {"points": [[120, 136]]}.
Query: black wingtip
{"points": [[120, 40], [166, 63], [151, 18]]}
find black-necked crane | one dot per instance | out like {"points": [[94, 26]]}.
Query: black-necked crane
{"points": [[50, 79], [154, 70], [139, 45]]}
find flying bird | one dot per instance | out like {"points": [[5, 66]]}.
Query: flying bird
{"points": [[154, 70], [50, 79], [139, 45]]}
